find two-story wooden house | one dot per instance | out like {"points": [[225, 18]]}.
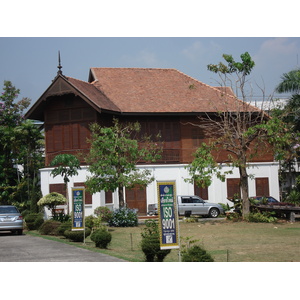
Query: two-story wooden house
{"points": [[162, 100]]}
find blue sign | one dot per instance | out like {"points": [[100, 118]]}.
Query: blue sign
{"points": [[168, 215], [78, 209]]}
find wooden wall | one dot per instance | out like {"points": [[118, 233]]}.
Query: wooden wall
{"points": [[67, 120]]}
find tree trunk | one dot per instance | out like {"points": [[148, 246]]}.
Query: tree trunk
{"points": [[244, 190], [121, 196]]}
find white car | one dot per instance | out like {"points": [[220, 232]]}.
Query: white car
{"points": [[11, 219]]}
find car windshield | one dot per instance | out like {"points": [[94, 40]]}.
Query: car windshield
{"points": [[8, 210]]}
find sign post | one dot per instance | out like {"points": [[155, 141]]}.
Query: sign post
{"points": [[78, 210], [168, 215]]}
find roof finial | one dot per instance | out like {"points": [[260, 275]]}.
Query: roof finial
{"points": [[59, 65]]}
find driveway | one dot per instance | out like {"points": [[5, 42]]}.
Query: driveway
{"points": [[27, 248]]}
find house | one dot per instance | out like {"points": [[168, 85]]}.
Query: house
{"points": [[162, 100]]}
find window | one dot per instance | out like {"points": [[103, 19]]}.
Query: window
{"points": [[202, 192], [196, 200], [262, 186], [108, 197], [58, 188], [185, 199], [233, 188]]}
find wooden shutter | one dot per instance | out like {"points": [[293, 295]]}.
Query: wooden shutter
{"points": [[201, 192], [136, 199], [262, 186], [233, 188], [58, 188], [108, 197]]}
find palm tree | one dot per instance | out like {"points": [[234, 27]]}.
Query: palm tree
{"points": [[290, 82]]}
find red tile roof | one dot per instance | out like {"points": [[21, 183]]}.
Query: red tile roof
{"points": [[137, 90], [143, 91]]}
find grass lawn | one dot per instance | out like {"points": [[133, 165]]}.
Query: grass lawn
{"points": [[224, 240]]}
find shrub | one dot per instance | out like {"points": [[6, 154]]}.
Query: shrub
{"points": [[63, 227], [104, 213], [52, 200], [293, 197], [90, 221], [49, 227], [101, 238], [150, 243], [34, 221], [261, 217], [77, 236], [196, 254], [124, 217], [61, 217]]}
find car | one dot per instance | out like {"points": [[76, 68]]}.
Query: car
{"points": [[265, 200], [11, 219], [152, 210], [194, 205], [268, 200]]}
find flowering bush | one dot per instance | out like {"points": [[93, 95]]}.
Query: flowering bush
{"points": [[104, 213], [123, 217]]}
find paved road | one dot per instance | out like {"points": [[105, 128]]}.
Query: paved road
{"points": [[27, 248]]}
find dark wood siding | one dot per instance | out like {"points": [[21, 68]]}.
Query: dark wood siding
{"points": [[67, 120]]}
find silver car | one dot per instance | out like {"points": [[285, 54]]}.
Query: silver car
{"points": [[11, 219], [194, 205]]}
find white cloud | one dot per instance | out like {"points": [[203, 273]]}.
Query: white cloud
{"points": [[194, 51], [278, 51], [144, 58]]}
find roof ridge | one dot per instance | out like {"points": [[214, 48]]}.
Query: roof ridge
{"points": [[141, 68]]}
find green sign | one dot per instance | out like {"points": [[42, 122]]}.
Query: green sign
{"points": [[78, 208], [168, 215]]}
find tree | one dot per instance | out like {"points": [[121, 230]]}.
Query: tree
{"points": [[11, 118], [114, 154], [290, 82], [66, 165], [29, 144], [241, 130]]}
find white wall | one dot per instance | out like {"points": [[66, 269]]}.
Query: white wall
{"points": [[217, 192]]}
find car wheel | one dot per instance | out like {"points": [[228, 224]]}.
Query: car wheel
{"points": [[20, 232], [214, 212]]}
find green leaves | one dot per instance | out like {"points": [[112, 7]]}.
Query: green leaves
{"points": [[66, 165], [232, 66], [114, 154], [204, 167]]}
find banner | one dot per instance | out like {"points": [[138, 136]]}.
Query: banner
{"points": [[168, 215], [78, 208]]}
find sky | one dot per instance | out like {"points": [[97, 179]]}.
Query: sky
{"points": [[30, 63], [185, 35]]}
